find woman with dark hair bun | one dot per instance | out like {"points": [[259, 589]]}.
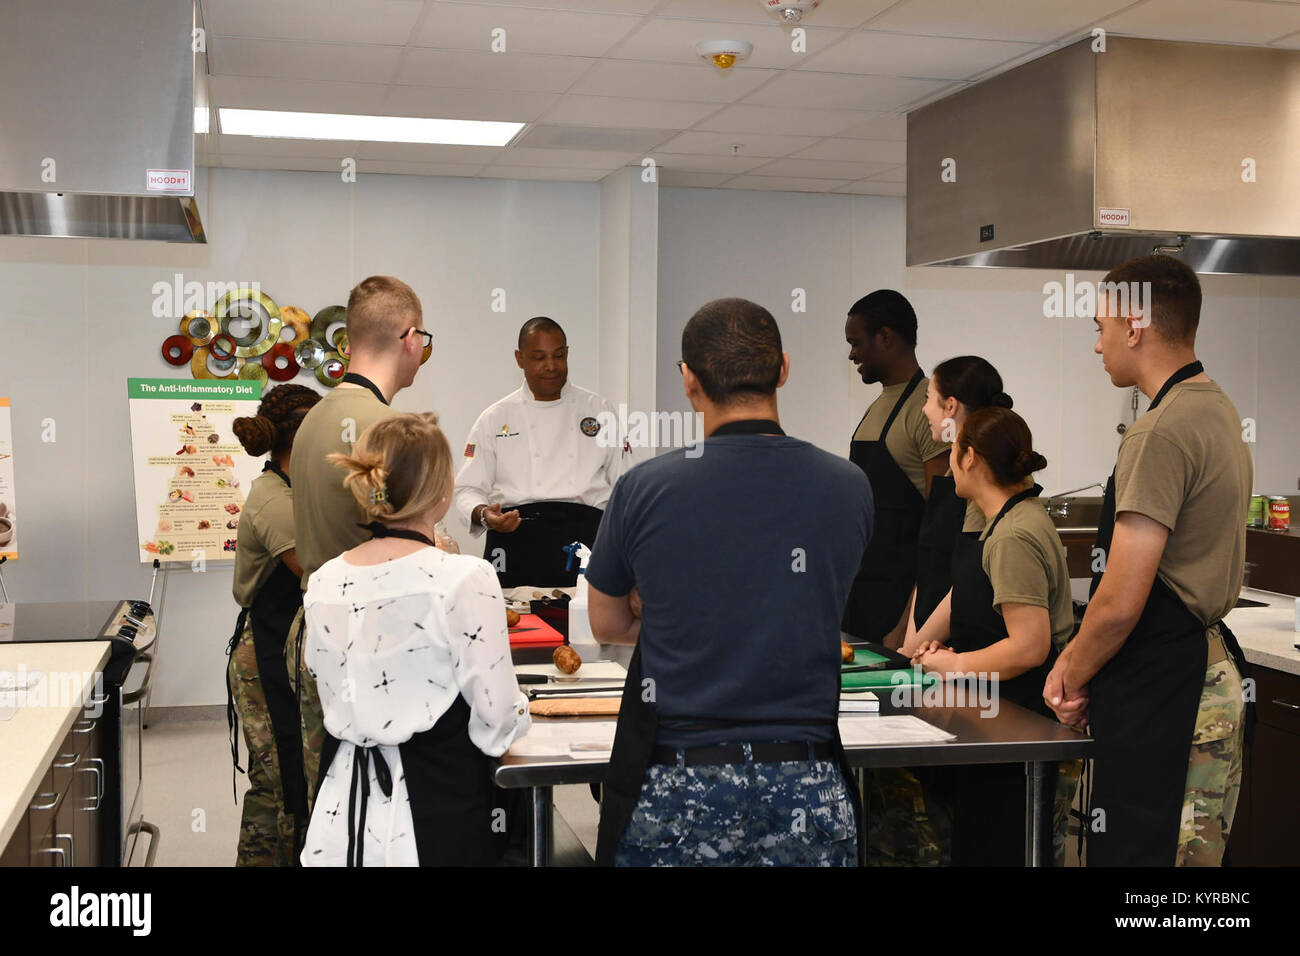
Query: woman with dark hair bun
{"points": [[1007, 616], [266, 587]]}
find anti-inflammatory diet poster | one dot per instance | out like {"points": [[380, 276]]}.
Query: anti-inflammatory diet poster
{"points": [[191, 474], [8, 505]]}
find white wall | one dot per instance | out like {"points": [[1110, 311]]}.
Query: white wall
{"points": [[758, 245], [75, 322]]}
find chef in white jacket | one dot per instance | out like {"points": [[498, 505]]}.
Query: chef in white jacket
{"points": [[539, 465]]}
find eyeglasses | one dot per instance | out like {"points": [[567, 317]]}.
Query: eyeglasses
{"points": [[428, 341], [680, 363]]}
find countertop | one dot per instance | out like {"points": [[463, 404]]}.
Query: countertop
{"points": [[1267, 634], [29, 739]]}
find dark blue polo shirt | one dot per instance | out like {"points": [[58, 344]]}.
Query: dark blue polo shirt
{"points": [[743, 557]]}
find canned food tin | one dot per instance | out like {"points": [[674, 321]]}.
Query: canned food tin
{"points": [[1255, 517], [1279, 513]]}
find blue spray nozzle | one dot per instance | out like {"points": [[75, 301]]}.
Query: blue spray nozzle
{"points": [[575, 552]]}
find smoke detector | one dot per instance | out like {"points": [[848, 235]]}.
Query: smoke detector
{"points": [[790, 12], [724, 53]]}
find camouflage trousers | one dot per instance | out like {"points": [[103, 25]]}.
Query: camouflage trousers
{"points": [[792, 813], [909, 824], [313, 721], [265, 830], [1213, 769]]}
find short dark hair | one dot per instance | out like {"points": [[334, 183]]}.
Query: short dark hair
{"points": [[972, 381], [539, 323], [1175, 309], [887, 309], [734, 348]]}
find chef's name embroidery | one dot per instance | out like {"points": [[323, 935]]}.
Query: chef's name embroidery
{"points": [[506, 432]]}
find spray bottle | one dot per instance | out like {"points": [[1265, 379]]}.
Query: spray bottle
{"points": [[579, 623]]}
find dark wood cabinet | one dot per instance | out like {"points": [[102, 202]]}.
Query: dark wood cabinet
{"points": [[1266, 830], [62, 823]]}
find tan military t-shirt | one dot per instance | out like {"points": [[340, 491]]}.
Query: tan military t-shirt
{"points": [[1025, 562], [1185, 465], [265, 532], [909, 441], [325, 515]]}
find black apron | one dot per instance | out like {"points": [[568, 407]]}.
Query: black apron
{"points": [[638, 724], [534, 551], [941, 524], [1142, 712], [448, 780], [271, 615], [888, 569], [989, 799]]}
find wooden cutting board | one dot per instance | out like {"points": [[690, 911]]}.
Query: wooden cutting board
{"points": [[575, 707]]}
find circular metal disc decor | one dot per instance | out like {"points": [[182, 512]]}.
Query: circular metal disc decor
{"points": [[309, 354], [322, 325], [428, 350], [223, 348], [255, 328], [199, 365], [198, 327], [332, 370], [341, 343], [253, 371], [298, 320], [270, 362], [272, 327], [177, 350]]}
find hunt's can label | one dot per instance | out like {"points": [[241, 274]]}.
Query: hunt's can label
{"points": [[1255, 517], [1279, 514]]}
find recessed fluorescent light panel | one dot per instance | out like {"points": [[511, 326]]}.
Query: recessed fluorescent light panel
{"points": [[372, 129]]}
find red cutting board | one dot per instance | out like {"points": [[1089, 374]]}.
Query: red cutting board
{"points": [[543, 636]]}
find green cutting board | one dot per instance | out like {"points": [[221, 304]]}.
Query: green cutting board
{"points": [[883, 678]]}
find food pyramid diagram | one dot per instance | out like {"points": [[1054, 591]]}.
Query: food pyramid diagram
{"points": [[204, 500]]}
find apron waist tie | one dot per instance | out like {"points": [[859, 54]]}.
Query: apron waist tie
{"points": [[361, 782]]}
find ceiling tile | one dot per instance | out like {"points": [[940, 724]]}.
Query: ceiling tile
{"points": [[462, 69], [751, 144], [673, 41], [874, 187], [1029, 20], [611, 111], [303, 61], [675, 178], [882, 127], [832, 13], [469, 26], [495, 105], [708, 164], [794, 121], [607, 138], [820, 169], [312, 163], [427, 153], [784, 184], [600, 6], [895, 174], [365, 166], [310, 96], [334, 21], [267, 146], [1291, 42], [544, 172], [571, 158], [1216, 21], [698, 84], [856, 151], [894, 54], [841, 91]]}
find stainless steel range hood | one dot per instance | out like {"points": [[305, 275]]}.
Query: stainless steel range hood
{"points": [[97, 120], [1081, 160]]}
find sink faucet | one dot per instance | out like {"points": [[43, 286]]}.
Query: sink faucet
{"points": [[1058, 505]]}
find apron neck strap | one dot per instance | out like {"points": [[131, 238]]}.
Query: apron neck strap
{"points": [[380, 530], [1184, 373], [275, 467], [1014, 500], [898, 405], [749, 426], [364, 382]]}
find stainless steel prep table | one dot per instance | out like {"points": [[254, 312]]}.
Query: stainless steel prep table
{"points": [[1014, 735]]}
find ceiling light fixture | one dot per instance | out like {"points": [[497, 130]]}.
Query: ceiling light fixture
{"points": [[371, 129], [724, 53]]}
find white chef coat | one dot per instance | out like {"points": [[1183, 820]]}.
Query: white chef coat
{"points": [[392, 646], [521, 450]]}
